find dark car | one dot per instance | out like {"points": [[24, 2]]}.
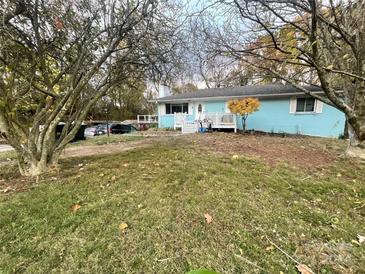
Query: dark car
{"points": [[79, 135], [114, 129]]}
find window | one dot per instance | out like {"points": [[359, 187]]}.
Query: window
{"points": [[116, 126], [305, 105], [125, 128], [177, 108]]}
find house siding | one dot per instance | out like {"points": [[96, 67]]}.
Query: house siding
{"points": [[274, 116], [219, 106], [167, 120]]}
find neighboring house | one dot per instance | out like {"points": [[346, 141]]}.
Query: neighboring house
{"points": [[283, 109]]}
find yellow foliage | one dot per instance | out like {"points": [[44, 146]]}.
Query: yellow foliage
{"points": [[244, 107]]}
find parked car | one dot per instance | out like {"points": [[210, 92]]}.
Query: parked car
{"points": [[114, 129], [79, 135], [90, 131]]}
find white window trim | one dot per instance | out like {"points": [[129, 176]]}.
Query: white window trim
{"points": [[227, 110], [162, 109], [306, 112], [172, 114], [318, 107]]}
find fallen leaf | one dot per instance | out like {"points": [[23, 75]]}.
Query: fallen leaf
{"points": [[123, 227], [75, 207], [361, 239], [335, 220], [269, 248], [235, 156], [7, 189], [304, 269], [208, 218], [101, 174], [126, 165], [114, 178], [58, 24]]}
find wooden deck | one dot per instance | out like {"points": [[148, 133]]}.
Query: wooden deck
{"points": [[215, 120], [147, 119]]}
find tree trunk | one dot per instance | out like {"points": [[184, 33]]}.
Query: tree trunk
{"points": [[346, 131], [31, 167], [37, 168], [120, 101], [356, 123], [37, 155], [244, 123], [356, 146]]}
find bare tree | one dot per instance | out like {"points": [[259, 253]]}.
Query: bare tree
{"points": [[213, 69], [58, 58], [311, 41]]}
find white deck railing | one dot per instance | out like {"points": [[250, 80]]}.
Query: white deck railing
{"points": [[221, 120], [216, 119], [147, 119], [179, 119]]}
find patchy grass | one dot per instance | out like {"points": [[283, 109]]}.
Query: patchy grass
{"points": [[7, 156], [162, 192], [104, 139]]}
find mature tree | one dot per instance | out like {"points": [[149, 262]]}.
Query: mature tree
{"points": [[124, 101], [244, 107], [58, 58], [184, 87], [129, 100], [324, 40], [202, 64]]}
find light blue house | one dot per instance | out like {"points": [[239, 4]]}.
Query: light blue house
{"points": [[283, 109]]}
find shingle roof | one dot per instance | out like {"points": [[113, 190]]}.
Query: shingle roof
{"points": [[243, 91]]}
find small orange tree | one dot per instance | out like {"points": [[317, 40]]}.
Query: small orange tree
{"points": [[244, 107]]}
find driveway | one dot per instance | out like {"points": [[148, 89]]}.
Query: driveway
{"points": [[79, 151], [4, 148]]}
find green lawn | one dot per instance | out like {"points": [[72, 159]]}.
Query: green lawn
{"points": [[162, 193]]}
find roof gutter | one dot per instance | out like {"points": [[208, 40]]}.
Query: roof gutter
{"points": [[213, 98]]}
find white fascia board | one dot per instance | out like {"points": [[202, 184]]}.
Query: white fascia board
{"points": [[217, 98]]}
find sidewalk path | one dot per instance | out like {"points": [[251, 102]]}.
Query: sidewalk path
{"points": [[4, 148]]}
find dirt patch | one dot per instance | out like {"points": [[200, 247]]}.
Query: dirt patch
{"points": [[111, 148], [16, 184], [301, 152], [80, 151], [158, 133]]}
